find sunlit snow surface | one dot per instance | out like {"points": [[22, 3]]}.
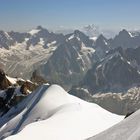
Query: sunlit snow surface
{"points": [[56, 116], [34, 31], [128, 129]]}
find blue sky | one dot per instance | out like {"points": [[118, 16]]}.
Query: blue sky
{"points": [[20, 15]]}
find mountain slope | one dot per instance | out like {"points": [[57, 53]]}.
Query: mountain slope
{"points": [[116, 72], [128, 129], [113, 82], [68, 64], [20, 62], [59, 58], [119, 103], [5, 40], [126, 40], [64, 117], [70, 56], [101, 46]]}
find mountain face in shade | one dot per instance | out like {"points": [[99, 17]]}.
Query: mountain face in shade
{"points": [[118, 71], [42, 34], [46, 52], [126, 39], [19, 37], [134, 57], [69, 63], [101, 46], [5, 40], [36, 36], [32, 51], [81, 37], [113, 82]]}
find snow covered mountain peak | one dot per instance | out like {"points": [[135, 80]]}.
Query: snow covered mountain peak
{"points": [[52, 104], [34, 31], [91, 30], [37, 30]]}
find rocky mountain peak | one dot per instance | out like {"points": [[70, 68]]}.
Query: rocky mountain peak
{"points": [[39, 27], [124, 33]]}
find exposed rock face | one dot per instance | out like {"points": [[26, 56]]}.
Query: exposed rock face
{"points": [[5, 40], [34, 50], [8, 39], [122, 103], [101, 46], [113, 82], [27, 87], [133, 56], [126, 40], [81, 93], [69, 57], [19, 37], [36, 78], [4, 82], [12, 93], [116, 72], [46, 36], [81, 37], [68, 64]]}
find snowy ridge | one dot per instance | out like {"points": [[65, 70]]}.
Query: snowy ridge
{"points": [[64, 116], [34, 31], [128, 129]]}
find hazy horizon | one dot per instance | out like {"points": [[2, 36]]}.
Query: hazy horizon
{"points": [[53, 14]]}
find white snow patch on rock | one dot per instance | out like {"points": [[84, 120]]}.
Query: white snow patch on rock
{"points": [[34, 31]]}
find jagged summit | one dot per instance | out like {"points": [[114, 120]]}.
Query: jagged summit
{"points": [[116, 72], [124, 33], [101, 37]]}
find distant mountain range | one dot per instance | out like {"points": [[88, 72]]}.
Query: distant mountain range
{"points": [[92, 67], [91, 30], [65, 59], [58, 58], [113, 82]]}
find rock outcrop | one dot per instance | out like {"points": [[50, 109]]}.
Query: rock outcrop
{"points": [[4, 82], [14, 91]]}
